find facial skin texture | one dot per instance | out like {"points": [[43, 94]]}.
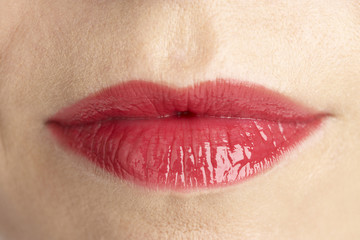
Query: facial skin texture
{"points": [[54, 53]]}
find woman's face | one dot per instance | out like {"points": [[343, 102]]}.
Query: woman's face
{"points": [[54, 53]]}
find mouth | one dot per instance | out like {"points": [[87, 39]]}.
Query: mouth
{"points": [[212, 134]]}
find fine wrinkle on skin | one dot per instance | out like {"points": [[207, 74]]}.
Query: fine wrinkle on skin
{"points": [[2, 145], [12, 31], [9, 41], [9, 26]]}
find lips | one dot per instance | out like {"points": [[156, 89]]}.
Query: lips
{"points": [[212, 134]]}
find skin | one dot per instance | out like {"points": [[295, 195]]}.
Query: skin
{"points": [[54, 53]]}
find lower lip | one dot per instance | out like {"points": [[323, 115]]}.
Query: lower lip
{"points": [[183, 152]]}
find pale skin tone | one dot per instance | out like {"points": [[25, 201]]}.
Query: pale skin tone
{"points": [[54, 53]]}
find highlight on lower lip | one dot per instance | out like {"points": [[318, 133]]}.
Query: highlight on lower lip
{"points": [[207, 137]]}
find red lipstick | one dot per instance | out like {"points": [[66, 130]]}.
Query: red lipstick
{"points": [[212, 134]]}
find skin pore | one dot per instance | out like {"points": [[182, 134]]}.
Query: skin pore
{"points": [[56, 52]]}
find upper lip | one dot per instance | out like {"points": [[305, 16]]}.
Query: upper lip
{"points": [[143, 99]]}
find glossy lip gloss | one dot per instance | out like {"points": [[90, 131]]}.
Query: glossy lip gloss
{"points": [[212, 134]]}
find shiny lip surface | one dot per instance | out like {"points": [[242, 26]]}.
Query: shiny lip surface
{"points": [[212, 134]]}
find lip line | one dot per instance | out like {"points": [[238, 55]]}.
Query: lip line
{"points": [[115, 119]]}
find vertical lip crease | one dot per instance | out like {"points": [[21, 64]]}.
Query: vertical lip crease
{"points": [[213, 134]]}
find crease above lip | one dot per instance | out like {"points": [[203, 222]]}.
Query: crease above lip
{"points": [[221, 98]]}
